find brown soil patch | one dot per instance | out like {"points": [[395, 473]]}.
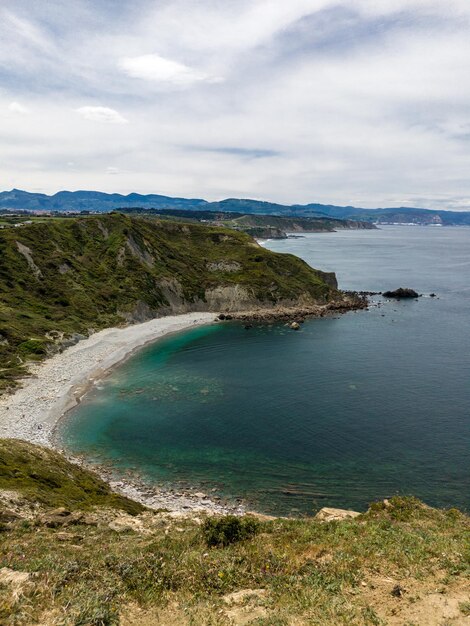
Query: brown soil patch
{"points": [[420, 603]]}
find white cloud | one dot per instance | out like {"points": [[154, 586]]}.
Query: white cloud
{"points": [[101, 114], [153, 67], [346, 101], [17, 107]]}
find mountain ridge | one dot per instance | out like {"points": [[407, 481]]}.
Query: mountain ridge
{"points": [[83, 200]]}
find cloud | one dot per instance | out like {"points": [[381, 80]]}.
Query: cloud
{"points": [[247, 153], [101, 114], [17, 107], [112, 171], [336, 101], [153, 67]]}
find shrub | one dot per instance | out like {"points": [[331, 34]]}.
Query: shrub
{"points": [[223, 531], [399, 508], [32, 347]]}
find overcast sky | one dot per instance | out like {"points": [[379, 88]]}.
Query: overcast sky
{"points": [[363, 102]]}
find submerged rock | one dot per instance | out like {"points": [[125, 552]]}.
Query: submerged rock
{"points": [[401, 292]]}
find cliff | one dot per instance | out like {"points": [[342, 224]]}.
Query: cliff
{"points": [[73, 553], [298, 224], [63, 278]]}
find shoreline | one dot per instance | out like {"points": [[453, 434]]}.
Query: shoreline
{"points": [[56, 385]]}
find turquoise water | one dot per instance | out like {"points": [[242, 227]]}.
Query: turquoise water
{"points": [[340, 413]]}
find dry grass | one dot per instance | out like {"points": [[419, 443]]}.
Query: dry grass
{"points": [[309, 572]]}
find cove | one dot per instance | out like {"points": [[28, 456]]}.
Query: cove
{"points": [[345, 411]]}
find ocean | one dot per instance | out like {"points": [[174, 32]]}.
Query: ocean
{"points": [[345, 411]]}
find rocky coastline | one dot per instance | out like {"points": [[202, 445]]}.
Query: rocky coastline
{"points": [[351, 301], [58, 384], [175, 498]]}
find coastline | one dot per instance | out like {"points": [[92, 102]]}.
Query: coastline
{"points": [[57, 384]]}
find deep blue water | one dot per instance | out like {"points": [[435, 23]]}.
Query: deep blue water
{"points": [[340, 413]]}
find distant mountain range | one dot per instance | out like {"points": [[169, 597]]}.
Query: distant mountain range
{"points": [[98, 201]]}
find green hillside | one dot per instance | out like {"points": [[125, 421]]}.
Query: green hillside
{"points": [[64, 276], [45, 478]]}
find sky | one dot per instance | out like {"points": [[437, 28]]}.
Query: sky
{"points": [[361, 102]]}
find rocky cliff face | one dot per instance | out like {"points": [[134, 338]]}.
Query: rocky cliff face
{"points": [[77, 275]]}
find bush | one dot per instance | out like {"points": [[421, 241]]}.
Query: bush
{"points": [[32, 347], [223, 531], [399, 508]]}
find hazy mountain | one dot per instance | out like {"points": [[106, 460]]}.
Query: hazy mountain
{"points": [[89, 200], [98, 201]]}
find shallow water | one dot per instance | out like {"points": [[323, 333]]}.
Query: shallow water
{"points": [[340, 413]]}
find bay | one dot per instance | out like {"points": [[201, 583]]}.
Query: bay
{"points": [[343, 412]]}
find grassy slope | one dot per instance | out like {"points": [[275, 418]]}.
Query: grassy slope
{"points": [[47, 478], [92, 269], [163, 571]]}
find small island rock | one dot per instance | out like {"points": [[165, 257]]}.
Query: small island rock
{"points": [[401, 292]]}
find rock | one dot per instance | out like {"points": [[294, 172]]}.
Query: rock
{"points": [[54, 335], [127, 523], [221, 316], [7, 516], [59, 512], [225, 266], [61, 517], [120, 526], [294, 326], [72, 340], [245, 606], [432, 295], [335, 515], [397, 591], [401, 292]]}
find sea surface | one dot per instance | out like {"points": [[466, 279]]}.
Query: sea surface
{"points": [[346, 411]]}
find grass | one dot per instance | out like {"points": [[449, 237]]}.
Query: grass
{"points": [[93, 272], [169, 571], [45, 477], [310, 571]]}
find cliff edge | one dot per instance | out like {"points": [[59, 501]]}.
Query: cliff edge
{"points": [[64, 278]]}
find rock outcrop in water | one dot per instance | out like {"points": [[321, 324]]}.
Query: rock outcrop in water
{"points": [[401, 292]]}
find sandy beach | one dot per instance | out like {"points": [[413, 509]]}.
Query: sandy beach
{"points": [[57, 384]]}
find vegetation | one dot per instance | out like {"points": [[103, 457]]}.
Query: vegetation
{"points": [[399, 563], [254, 224], [45, 477], [229, 529], [62, 277]]}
